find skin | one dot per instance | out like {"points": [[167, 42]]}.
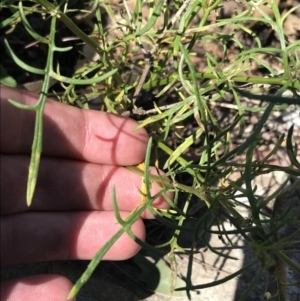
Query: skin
{"points": [[83, 157]]}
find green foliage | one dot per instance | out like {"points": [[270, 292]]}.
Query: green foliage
{"points": [[166, 39], [5, 79]]}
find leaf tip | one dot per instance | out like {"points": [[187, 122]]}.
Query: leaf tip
{"points": [[72, 293], [29, 195]]}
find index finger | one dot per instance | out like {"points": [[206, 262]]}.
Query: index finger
{"points": [[87, 135]]}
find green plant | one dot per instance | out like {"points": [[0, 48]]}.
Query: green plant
{"points": [[164, 39]]}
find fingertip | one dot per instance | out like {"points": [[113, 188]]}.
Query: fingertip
{"points": [[97, 229], [37, 287]]}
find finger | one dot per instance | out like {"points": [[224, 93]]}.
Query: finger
{"points": [[33, 288], [35, 236], [70, 132], [65, 185]]}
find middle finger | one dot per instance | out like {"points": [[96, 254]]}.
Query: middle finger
{"points": [[71, 185]]}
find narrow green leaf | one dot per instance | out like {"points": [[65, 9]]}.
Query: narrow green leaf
{"points": [[28, 27], [250, 139], [292, 264], [88, 81], [289, 148], [21, 63], [6, 79], [153, 18], [200, 102], [10, 20], [36, 148], [249, 177], [183, 147], [21, 105], [251, 286], [217, 282], [271, 98]]}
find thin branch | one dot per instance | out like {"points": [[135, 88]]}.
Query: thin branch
{"points": [[141, 111]]}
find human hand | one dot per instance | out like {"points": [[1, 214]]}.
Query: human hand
{"points": [[71, 216]]}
